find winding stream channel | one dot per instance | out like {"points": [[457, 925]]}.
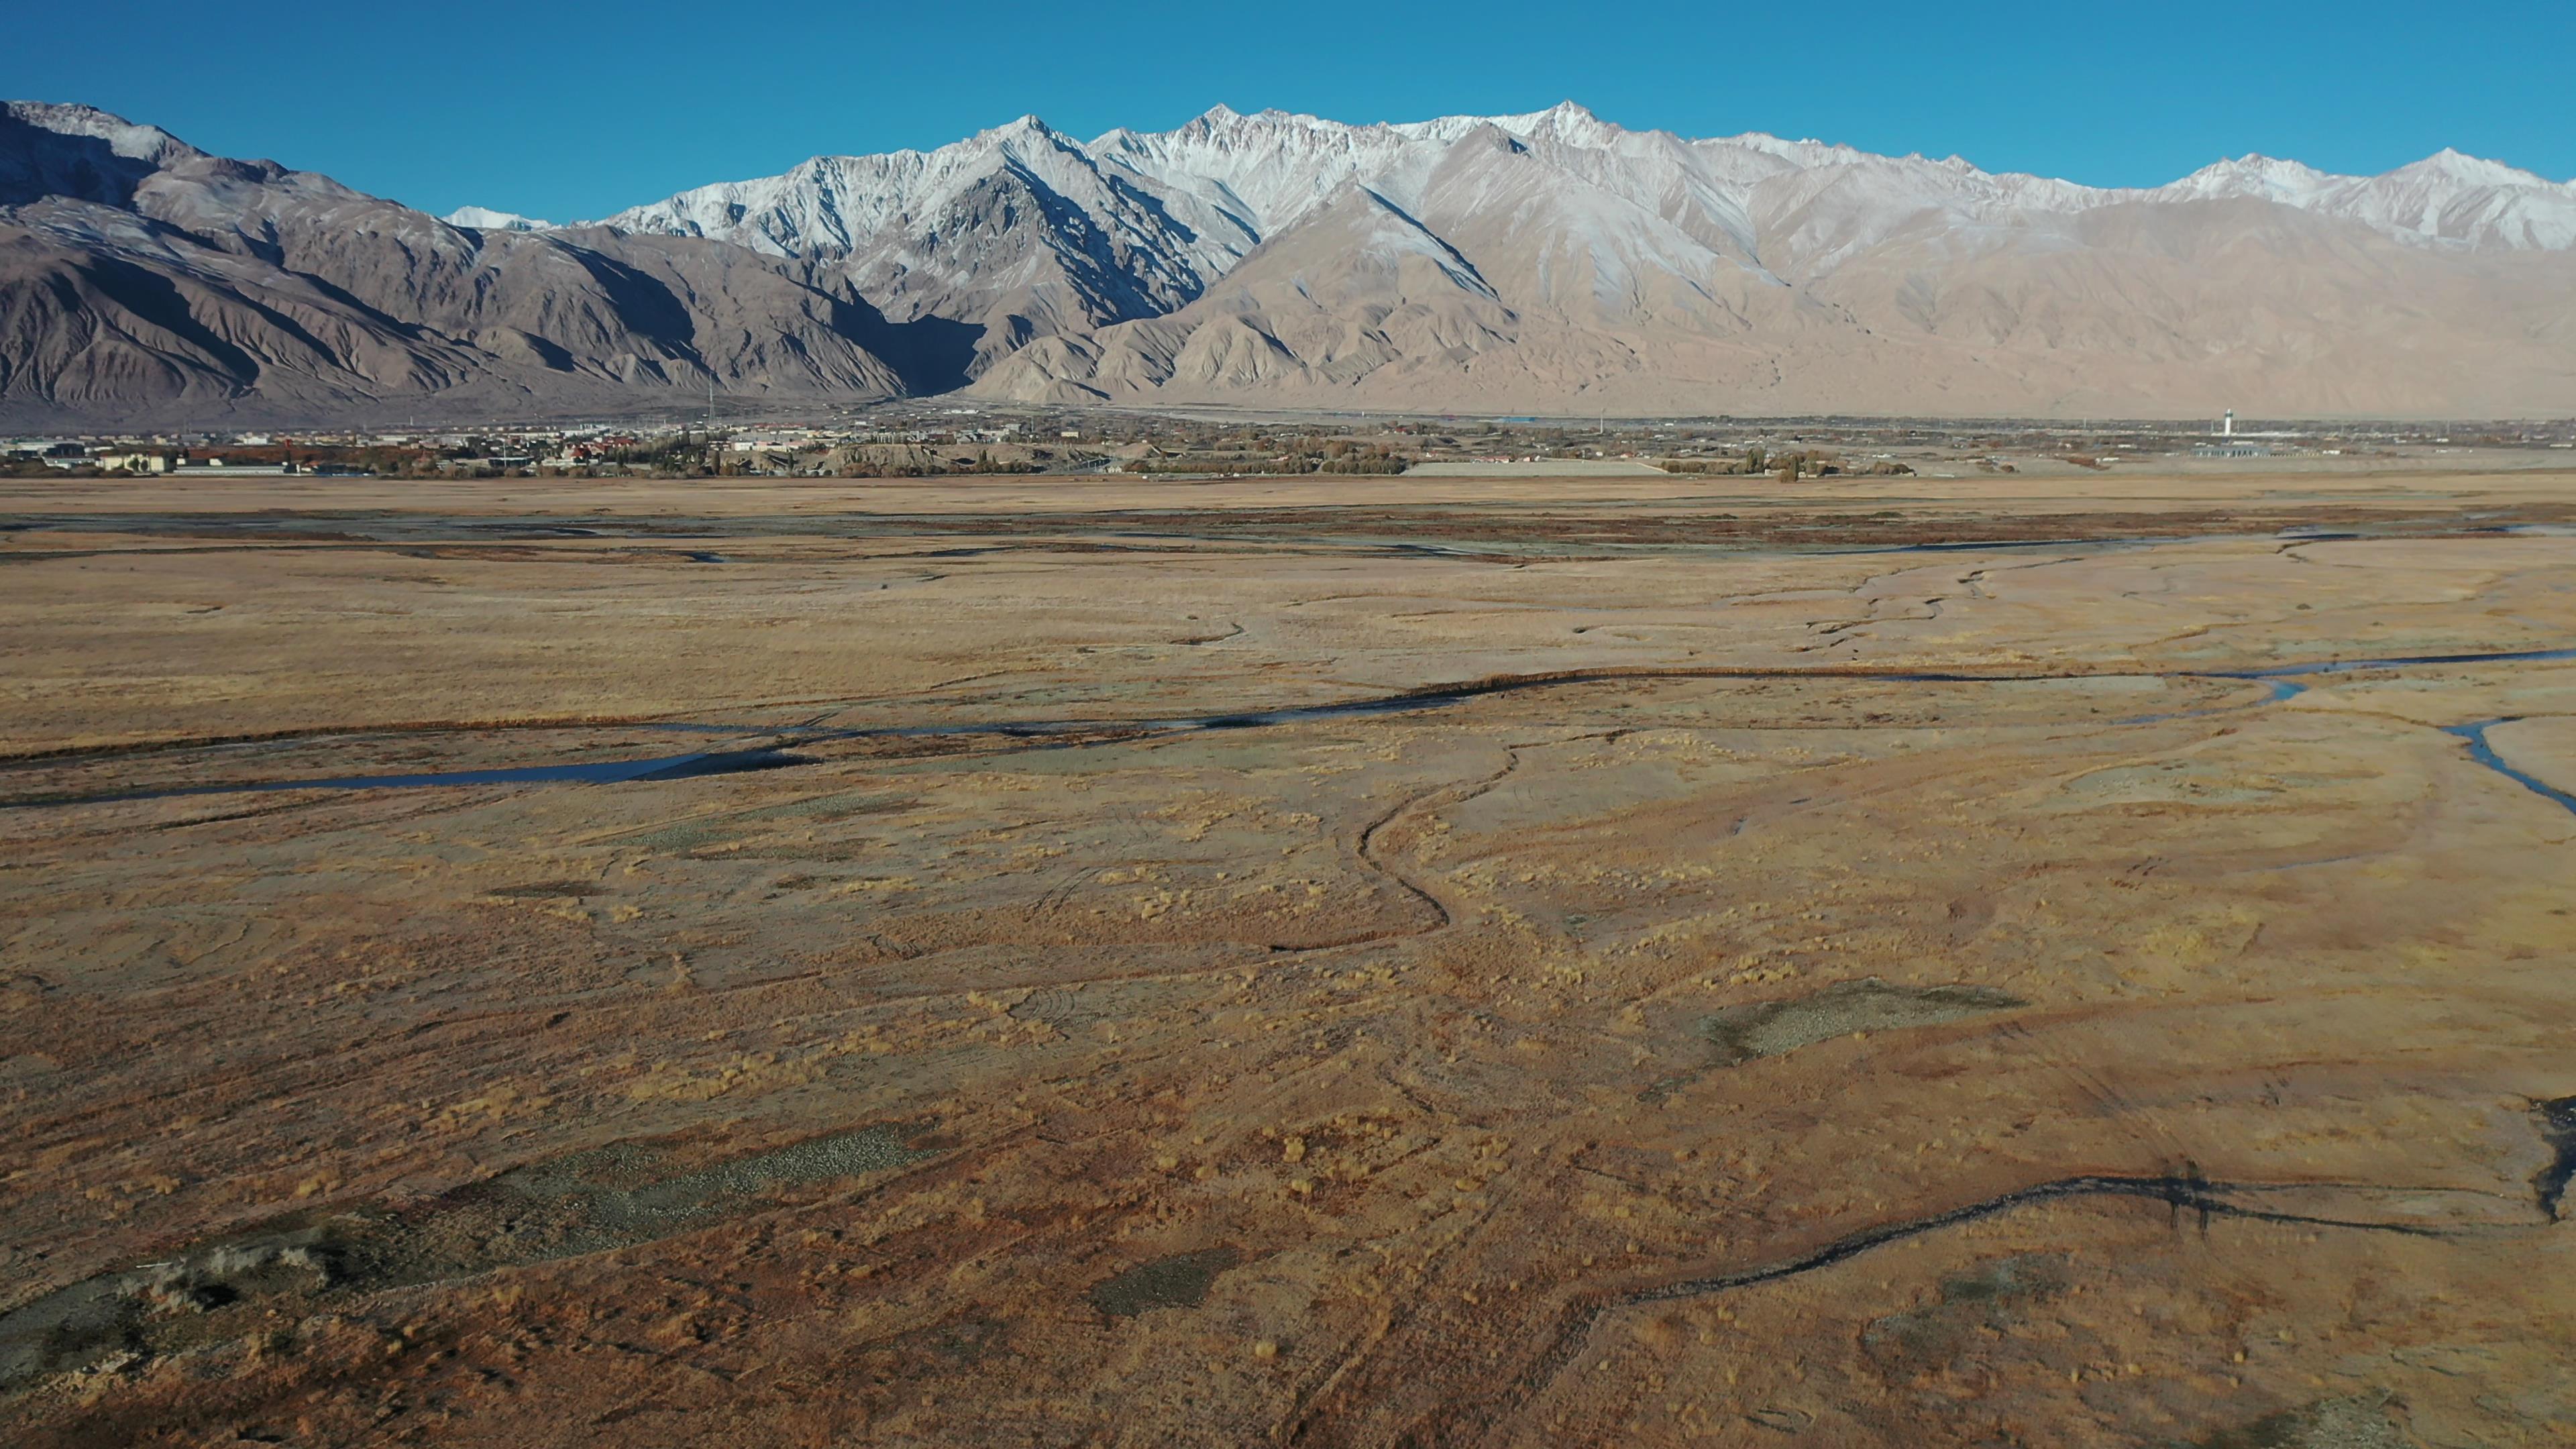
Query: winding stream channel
{"points": [[2191, 1193], [2283, 680], [2484, 753]]}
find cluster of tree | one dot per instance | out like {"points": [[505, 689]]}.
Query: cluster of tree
{"points": [[1292, 456], [386, 460], [916, 460], [1755, 461], [1374, 461], [1302, 455], [686, 454], [1342, 455], [1213, 463], [1788, 467], [983, 464]]}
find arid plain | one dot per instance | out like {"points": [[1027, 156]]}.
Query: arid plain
{"points": [[1075, 961]]}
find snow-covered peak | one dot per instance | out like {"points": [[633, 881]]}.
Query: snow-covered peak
{"points": [[2451, 199], [1026, 127], [80, 152], [1568, 123], [484, 218], [2252, 175], [1174, 210], [124, 138], [1565, 121], [2466, 170]]}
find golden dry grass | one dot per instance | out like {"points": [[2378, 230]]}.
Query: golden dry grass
{"points": [[1336, 1079]]}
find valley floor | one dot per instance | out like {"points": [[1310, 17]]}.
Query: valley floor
{"points": [[1345, 962]]}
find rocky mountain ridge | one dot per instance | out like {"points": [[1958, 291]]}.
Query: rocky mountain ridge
{"points": [[1549, 261], [1590, 265], [142, 278]]}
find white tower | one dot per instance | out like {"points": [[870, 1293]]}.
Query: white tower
{"points": [[2227, 425]]}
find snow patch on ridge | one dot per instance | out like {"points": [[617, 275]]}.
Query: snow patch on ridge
{"points": [[1225, 181], [484, 218]]}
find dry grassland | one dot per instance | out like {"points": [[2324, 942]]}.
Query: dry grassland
{"points": [[1816, 987]]}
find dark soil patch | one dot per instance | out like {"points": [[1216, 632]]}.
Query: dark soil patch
{"points": [[1181, 1281], [2356, 1422], [1740, 1034], [590, 1202]]}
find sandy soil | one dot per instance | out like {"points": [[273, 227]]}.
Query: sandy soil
{"points": [[1902, 965]]}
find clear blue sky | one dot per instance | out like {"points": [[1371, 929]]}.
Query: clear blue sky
{"points": [[576, 109]]}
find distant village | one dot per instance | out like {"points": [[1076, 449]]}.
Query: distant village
{"points": [[915, 440]]}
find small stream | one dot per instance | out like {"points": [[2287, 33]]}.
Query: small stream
{"points": [[2401, 661], [2283, 681], [601, 772], [2484, 754]]}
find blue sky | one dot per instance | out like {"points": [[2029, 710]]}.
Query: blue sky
{"points": [[572, 110]]}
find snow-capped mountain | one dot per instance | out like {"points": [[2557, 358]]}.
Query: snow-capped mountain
{"points": [[1231, 180], [1553, 254], [1018, 231], [79, 153], [1510, 263], [2444, 199]]}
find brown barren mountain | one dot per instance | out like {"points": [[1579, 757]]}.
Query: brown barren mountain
{"points": [[141, 278], [1542, 263], [1491, 302]]}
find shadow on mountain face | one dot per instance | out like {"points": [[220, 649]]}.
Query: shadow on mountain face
{"points": [[645, 305], [156, 300], [930, 354], [36, 163]]}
